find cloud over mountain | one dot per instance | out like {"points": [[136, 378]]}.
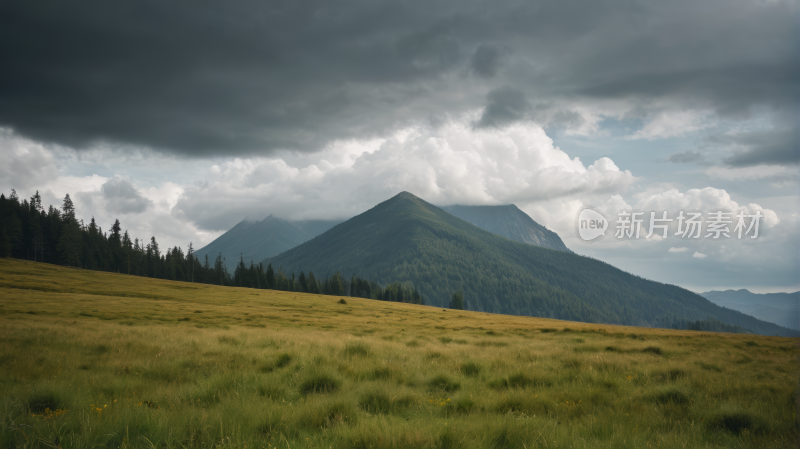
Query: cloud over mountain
{"points": [[447, 165]]}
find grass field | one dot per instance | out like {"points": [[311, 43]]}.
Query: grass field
{"points": [[91, 359]]}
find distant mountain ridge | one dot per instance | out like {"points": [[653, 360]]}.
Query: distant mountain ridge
{"points": [[510, 222], [779, 308], [256, 240], [408, 240]]}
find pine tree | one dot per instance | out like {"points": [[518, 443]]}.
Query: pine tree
{"points": [[5, 245], [457, 302], [313, 286], [270, 277], [69, 244], [190, 256], [336, 287], [115, 239], [302, 281], [36, 202]]}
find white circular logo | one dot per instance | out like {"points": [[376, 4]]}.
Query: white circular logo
{"points": [[591, 224]]}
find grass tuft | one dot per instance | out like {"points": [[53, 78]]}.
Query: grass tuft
{"points": [[734, 422], [443, 383], [328, 415], [460, 406], [283, 360], [671, 396], [40, 402], [652, 350], [519, 380], [356, 350], [471, 369], [321, 383]]}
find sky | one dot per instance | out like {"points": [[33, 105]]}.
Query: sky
{"points": [[183, 118]]}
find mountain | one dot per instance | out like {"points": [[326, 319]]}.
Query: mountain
{"points": [[258, 240], [510, 222], [779, 308], [408, 240]]}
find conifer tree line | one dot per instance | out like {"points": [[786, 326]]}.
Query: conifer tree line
{"points": [[56, 236]]}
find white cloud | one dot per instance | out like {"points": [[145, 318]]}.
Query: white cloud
{"points": [[699, 255], [753, 173], [682, 249], [672, 123], [26, 164], [705, 199], [451, 164]]}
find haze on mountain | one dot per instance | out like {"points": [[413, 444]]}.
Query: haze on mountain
{"points": [[408, 240], [256, 240], [782, 309], [510, 222]]}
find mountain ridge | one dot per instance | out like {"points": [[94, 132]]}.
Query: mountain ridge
{"points": [[782, 309], [405, 239], [509, 221], [255, 240]]}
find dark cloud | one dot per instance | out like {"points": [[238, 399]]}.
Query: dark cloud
{"points": [[246, 77], [780, 147], [485, 61], [123, 198], [503, 106], [684, 157]]}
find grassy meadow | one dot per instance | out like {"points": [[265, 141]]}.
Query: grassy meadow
{"points": [[92, 359]]}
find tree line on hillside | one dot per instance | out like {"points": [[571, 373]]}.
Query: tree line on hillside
{"points": [[56, 236]]}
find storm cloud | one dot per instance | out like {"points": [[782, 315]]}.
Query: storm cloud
{"points": [[780, 147], [503, 106], [250, 78]]}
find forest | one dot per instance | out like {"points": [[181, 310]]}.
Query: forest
{"points": [[56, 236]]}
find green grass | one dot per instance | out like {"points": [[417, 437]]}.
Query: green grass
{"points": [[93, 359]]}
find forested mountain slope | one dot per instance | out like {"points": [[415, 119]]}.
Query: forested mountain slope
{"points": [[406, 239]]}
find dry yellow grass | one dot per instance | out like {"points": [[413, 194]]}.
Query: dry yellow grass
{"points": [[100, 359]]}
